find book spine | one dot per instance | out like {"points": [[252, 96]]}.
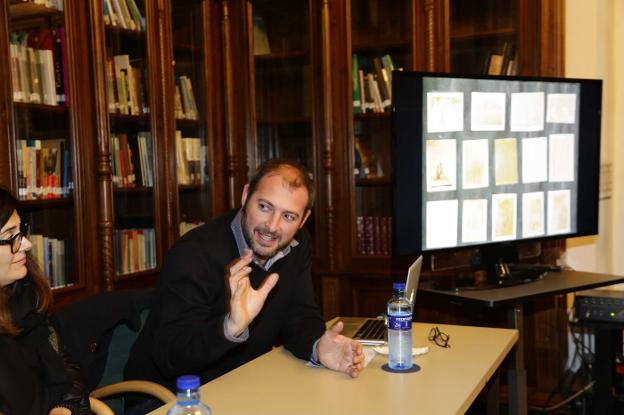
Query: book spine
{"points": [[359, 235], [23, 73], [67, 179], [126, 14], [357, 93], [136, 14], [59, 69], [15, 73], [21, 178], [62, 40], [119, 14], [33, 73]]}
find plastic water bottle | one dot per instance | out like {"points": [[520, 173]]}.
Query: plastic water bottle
{"points": [[187, 401], [399, 329]]}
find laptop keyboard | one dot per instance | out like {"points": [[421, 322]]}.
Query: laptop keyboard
{"points": [[371, 329]]}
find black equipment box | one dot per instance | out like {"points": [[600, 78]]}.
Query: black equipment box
{"points": [[599, 305]]}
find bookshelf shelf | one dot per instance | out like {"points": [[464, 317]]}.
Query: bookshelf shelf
{"points": [[123, 120], [184, 123], [66, 288], [27, 106], [123, 32], [374, 44], [26, 10], [374, 181], [186, 49], [284, 121], [137, 190], [467, 35], [47, 203], [190, 187], [387, 115], [137, 275], [280, 56]]}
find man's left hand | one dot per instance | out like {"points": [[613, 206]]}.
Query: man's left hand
{"points": [[340, 353]]}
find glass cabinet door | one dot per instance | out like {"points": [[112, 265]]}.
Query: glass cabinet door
{"points": [[44, 139], [381, 41], [190, 106], [132, 148], [484, 36], [282, 49]]}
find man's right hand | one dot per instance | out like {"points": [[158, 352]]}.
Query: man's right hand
{"points": [[245, 302]]}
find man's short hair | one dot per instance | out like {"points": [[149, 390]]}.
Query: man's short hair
{"points": [[302, 178]]}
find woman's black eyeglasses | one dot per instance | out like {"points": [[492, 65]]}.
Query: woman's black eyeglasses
{"points": [[16, 240], [438, 337]]}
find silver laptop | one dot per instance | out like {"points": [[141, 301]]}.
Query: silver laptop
{"points": [[372, 331]]}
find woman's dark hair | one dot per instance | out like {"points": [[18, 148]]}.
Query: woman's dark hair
{"points": [[302, 177], [8, 205]]}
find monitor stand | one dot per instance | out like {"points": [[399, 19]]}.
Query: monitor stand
{"points": [[491, 266], [503, 268]]}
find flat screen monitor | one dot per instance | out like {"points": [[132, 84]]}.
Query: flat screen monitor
{"points": [[484, 161]]}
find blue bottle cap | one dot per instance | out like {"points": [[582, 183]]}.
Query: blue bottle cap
{"points": [[398, 286], [187, 382]]}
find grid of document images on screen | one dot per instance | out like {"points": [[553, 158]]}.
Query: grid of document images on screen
{"points": [[500, 160]]}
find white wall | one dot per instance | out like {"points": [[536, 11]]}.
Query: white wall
{"points": [[594, 48]]}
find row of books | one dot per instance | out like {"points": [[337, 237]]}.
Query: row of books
{"points": [[187, 226], [374, 235], [184, 100], [262, 45], [190, 160], [52, 4], [43, 169], [135, 250], [132, 160], [126, 86], [38, 71], [125, 14], [367, 164], [504, 63], [49, 254], [372, 91]]}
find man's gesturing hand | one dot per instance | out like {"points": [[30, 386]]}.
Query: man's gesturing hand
{"points": [[340, 353], [245, 302]]}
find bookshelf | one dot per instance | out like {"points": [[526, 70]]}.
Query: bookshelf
{"points": [[43, 159], [192, 109], [268, 78], [282, 56], [481, 34], [381, 40], [281, 77], [445, 36], [129, 103]]}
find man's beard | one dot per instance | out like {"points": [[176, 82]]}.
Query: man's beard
{"points": [[248, 233]]}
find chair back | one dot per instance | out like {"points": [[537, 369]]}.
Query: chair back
{"points": [[99, 332]]}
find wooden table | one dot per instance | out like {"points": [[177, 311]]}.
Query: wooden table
{"points": [[448, 382]]}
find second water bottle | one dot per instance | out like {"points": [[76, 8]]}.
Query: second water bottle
{"points": [[399, 329]]}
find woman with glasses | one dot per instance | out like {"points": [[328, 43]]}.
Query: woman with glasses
{"points": [[35, 376]]}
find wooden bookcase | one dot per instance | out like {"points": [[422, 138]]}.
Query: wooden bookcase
{"points": [[175, 53], [45, 150], [284, 62], [269, 78]]}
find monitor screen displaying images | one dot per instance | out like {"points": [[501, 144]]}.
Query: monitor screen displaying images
{"points": [[488, 160]]}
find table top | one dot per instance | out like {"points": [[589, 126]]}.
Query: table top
{"points": [[553, 283], [448, 381]]}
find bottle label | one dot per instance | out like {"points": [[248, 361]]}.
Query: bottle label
{"points": [[400, 322]]}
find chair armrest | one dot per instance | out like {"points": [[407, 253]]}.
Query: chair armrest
{"points": [[138, 386], [99, 408]]}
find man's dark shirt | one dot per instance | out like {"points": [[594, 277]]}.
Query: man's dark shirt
{"points": [[184, 332]]}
